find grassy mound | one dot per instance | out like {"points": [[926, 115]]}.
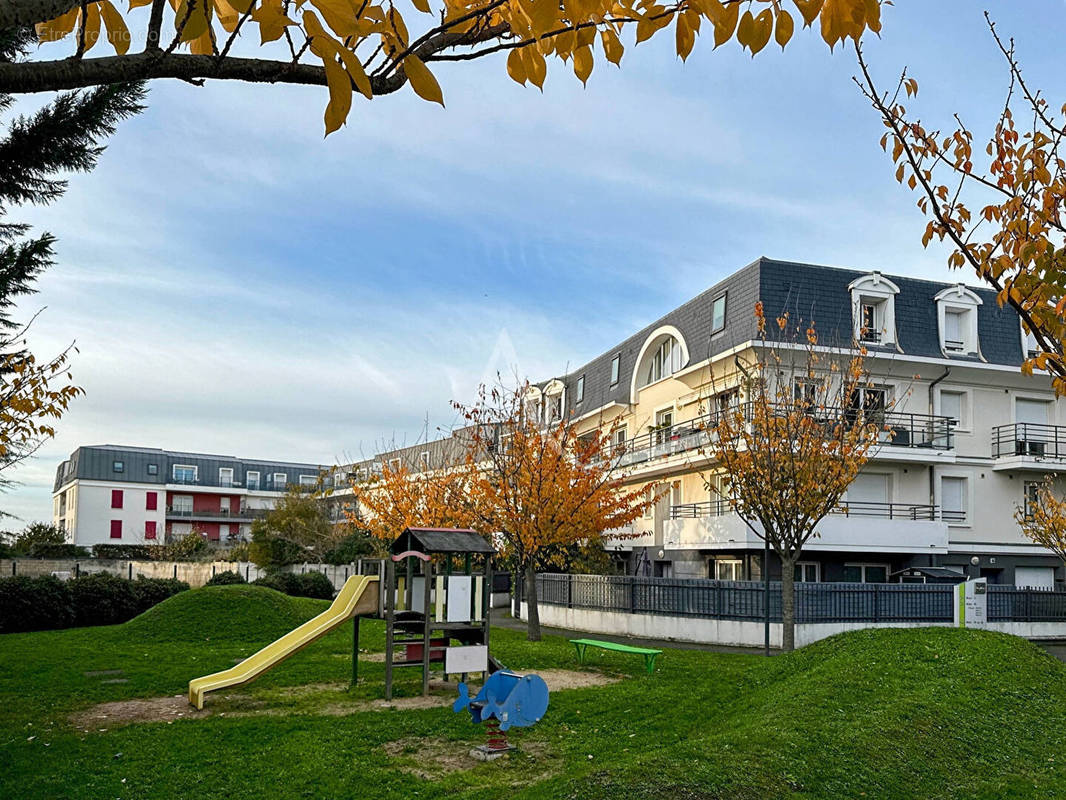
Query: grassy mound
{"points": [[928, 713], [234, 613]]}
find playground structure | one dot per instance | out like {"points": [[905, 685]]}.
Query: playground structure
{"points": [[424, 613]]}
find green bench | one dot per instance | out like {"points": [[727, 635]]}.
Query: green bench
{"points": [[581, 645]]}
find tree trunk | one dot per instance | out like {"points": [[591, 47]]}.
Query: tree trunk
{"points": [[788, 604], [516, 594], [532, 611]]}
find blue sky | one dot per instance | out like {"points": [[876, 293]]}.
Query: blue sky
{"points": [[236, 284]]}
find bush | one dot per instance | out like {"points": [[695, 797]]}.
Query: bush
{"points": [[34, 604], [313, 584], [49, 550], [143, 552], [226, 578], [102, 599], [150, 591], [310, 584]]}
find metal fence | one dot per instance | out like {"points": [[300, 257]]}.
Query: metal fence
{"points": [[815, 602]]}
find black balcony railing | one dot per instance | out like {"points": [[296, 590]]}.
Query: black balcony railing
{"points": [[1029, 439], [216, 513], [954, 345], [901, 430], [901, 511]]}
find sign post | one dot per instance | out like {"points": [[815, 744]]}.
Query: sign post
{"points": [[972, 608]]}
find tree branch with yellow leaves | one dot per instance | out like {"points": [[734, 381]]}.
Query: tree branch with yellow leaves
{"points": [[371, 47]]}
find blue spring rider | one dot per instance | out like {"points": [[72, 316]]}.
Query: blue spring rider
{"points": [[507, 700]]}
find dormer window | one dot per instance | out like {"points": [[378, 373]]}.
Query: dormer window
{"points": [[663, 354], [873, 309], [554, 401], [957, 317], [1030, 347]]}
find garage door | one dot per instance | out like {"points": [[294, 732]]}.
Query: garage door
{"points": [[1035, 577]]}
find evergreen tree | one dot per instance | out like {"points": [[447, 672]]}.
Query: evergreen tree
{"points": [[62, 136]]}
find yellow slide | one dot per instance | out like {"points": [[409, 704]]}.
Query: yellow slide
{"points": [[357, 597]]}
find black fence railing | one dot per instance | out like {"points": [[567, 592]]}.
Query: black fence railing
{"points": [[815, 602], [901, 511], [901, 430], [1029, 439]]}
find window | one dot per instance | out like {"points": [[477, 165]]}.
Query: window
{"points": [[729, 569], [149, 529], [873, 309], [181, 504], [723, 402], [805, 393], [718, 314], [184, 473], [116, 498], [280, 481], [954, 499], [251, 481], [1034, 577], [664, 421], [865, 573], [806, 572], [872, 401], [615, 364], [116, 529], [665, 361], [225, 476], [953, 404], [618, 439], [555, 408], [1031, 426], [957, 315], [1030, 348], [151, 501], [873, 490], [308, 481], [423, 459], [153, 469], [1031, 497], [580, 389], [118, 466]]}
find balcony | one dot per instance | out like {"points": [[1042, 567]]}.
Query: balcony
{"points": [[1028, 445], [216, 514], [910, 436], [853, 527]]}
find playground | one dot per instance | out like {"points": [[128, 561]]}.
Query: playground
{"points": [[105, 712]]}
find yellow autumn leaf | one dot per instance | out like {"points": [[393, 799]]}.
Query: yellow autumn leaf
{"points": [[684, 36], [340, 94], [612, 46], [92, 26], [583, 62], [422, 80], [138, 3], [515, 68], [536, 66], [117, 32], [785, 27], [191, 18], [272, 20], [56, 29], [763, 27], [422, 5]]}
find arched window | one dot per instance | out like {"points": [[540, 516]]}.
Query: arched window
{"points": [[663, 361], [663, 354]]}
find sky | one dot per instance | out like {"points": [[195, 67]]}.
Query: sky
{"points": [[236, 284]]}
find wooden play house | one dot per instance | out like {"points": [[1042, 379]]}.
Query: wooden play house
{"points": [[438, 590]]}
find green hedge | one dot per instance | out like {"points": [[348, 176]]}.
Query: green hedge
{"points": [[33, 604], [142, 552], [52, 550], [226, 578], [310, 584]]}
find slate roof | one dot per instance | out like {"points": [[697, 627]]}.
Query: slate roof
{"points": [[441, 540], [807, 292]]}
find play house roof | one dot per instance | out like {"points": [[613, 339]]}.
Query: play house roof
{"points": [[441, 540]]}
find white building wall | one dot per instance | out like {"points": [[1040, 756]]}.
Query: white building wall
{"points": [[91, 521]]}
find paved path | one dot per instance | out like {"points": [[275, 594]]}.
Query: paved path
{"points": [[506, 621]]}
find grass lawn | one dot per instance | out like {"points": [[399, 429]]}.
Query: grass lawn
{"points": [[929, 713]]}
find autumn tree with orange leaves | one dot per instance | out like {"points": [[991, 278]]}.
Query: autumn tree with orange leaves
{"points": [[403, 496], [377, 47], [999, 206], [538, 487], [792, 448]]}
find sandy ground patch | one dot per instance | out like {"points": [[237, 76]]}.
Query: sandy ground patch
{"points": [[433, 758], [168, 709]]}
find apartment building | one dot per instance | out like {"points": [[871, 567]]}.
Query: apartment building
{"points": [[110, 494], [968, 435]]}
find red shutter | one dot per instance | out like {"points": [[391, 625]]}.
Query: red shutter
{"points": [[116, 498], [150, 501], [116, 529], [149, 528]]}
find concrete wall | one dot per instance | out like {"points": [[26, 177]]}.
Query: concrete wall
{"points": [[742, 633]]}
